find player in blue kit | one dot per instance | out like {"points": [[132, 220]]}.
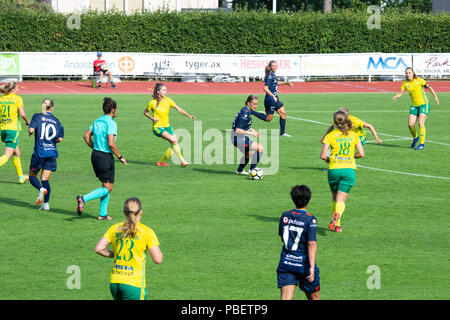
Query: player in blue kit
{"points": [[297, 266], [272, 102], [48, 131], [239, 136]]}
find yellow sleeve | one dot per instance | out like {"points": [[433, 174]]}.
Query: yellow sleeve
{"points": [[171, 103], [151, 105], [109, 235], [327, 139], [19, 102], [422, 82], [152, 239], [356, 122], [403, 86]]}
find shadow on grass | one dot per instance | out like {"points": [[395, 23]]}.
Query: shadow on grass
{"points": [[23, 204], [222, 172], [324, 169]]}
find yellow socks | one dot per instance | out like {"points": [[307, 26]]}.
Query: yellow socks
{"points": [[166, 155], [177, 150], [18, 166], [340, 208], [413, 132], [3, 159], [422, 133]]}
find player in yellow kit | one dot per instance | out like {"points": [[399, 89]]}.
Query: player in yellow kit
{"points": [[11, 105], [341, 164], [129, 240], [420, 106], [160, 107], [358, 126]]}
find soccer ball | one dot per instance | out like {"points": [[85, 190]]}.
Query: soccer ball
{"points": [[257, 174]]}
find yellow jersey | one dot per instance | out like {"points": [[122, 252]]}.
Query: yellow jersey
{"points": [[129, 254], [342, 149], [9, 112], [416, 92], [161, 111], [357, 126]]}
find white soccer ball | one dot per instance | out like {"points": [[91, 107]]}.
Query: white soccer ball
{"points": [[257, 174]]}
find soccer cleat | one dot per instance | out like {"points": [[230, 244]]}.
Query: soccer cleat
{"points": [[99, 87], [80, 205], [421, 146], [113, 86], [333, 221], [162, 164], [104, 218], [184, 164], [45, 206], [338, 229], [243, 172], [23, 178], [285, 135], [414, 142], [40, 198]]}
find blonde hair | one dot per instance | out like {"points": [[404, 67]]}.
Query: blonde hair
{"points": [[47, 104], [131, 208], [344, 110], [342, 121], [8, 87]]}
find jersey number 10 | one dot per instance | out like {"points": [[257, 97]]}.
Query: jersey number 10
{"points": [[46, 128]]}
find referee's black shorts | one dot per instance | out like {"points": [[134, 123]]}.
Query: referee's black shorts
{"points": [[103, 165]]}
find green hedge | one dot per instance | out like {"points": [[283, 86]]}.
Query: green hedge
{"points": [[250, 32]]}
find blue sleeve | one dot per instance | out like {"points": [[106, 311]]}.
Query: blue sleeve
{"points": [[242, 121], [61, 131], [268, 80], [311, 230], [112, 128], [34, 121]]}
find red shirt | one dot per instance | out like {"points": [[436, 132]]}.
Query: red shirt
{"points": [[98, 64]]}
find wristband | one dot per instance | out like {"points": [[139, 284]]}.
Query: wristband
{"points": [[120, 157]]}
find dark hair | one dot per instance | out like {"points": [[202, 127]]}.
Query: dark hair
{"points": [[414, 74], [156, 89], [109, 105], [300, 195], [251, 98]]}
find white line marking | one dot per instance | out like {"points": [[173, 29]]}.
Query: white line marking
{"points": [[373, 141], [405, 173], [386, 134]]}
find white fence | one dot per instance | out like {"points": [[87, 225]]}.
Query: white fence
{"points": [[161, 65]]}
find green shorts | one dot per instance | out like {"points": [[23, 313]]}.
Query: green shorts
{"points": [[416, 110], [122, 291], [341, 179], [10, 138], [160, 130]]}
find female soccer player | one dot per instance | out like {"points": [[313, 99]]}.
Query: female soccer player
{"points": [[101, 138], [272, 102], [297, 229], [357, 126], [48, 131], [420, 106], [11, 105], [130, 240], [240, 132], [341, 164], [160, 107]]}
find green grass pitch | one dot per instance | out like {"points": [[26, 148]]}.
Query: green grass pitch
{"points": [[218, 231]]}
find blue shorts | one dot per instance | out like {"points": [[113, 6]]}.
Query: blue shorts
{"points": [[243, 143], [286, 278], [47, 163], [272, 106]]}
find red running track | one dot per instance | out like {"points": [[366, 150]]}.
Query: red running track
{"points": [[146, 87]]}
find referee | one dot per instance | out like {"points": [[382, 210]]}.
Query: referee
{"points": [[101, 138]]}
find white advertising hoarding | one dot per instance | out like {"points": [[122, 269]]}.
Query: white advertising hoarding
{"points": [[433, 64]]}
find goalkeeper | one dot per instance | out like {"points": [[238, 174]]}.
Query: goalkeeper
{"points": [[100, 69]]}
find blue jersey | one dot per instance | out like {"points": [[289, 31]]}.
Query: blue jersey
{"points": [[48, 130], [272, 82], [296, 228], [243, 119], [101, 128]]}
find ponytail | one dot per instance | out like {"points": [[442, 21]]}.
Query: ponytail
{"points": [[267, 69], [8, 87], [131, 208], [342, 121], [47, 104], [156, 95]]}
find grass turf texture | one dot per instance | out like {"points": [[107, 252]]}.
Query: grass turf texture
{"points": [[218, 231]]}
